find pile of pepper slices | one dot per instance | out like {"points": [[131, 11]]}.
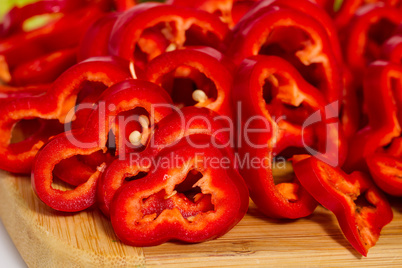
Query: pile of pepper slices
{"points": [[100, 86]]}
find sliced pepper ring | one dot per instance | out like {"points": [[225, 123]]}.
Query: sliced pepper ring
{"points": [[382, 91], [203, 76], [168, 132], [155, 209], [360, 208], [286, 199], [56, 103], [170, 22], [386, 171], [392, 49], [119, 98], [364, 42], [310, 49]]}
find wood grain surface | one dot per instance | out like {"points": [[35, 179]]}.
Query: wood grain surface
{"points": [[46, 238]]}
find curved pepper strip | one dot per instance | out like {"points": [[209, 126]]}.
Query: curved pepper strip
{"points": [[392, 49], [229, 11], [207, 74], [169, 131], [155, 209], [363, 45], [351, 115], [310, 49], [385, 166], [382, 93], [95, 42], [386, 171], [55, 104], [63, 33], [280, 130], [44, 69], [307, 7], [123, 5], [361, 221], [123, 96], [13, 20], [170, 22], [348, 8], [9, 93], [77, 169]]}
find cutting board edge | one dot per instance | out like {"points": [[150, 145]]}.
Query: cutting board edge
{"points": [[26, 232]]}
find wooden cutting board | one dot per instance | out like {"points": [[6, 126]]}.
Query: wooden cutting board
{"points": [[46, 238]]}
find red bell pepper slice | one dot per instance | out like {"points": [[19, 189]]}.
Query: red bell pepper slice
{"points": [[276, 100], [392, 49], [9, 93], [122, 97], [386, 171], [55, 104], [348, 8], [385, 166], [95, 42], [13, 20], [360, 208], [371, 26], [60, 34], [123, 5], [170, 130], [45, 69], [162, 206], [77, 169], [229, 11], [295, 36], [193, 76], [382, 94], [178, 26]]}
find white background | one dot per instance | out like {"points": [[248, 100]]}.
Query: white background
{"points": [[9, 255]]}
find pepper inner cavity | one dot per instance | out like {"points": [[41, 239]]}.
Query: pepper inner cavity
{"points": [[27, 132], [189, 200], [188, 87], [280, 96], [285, 42], [132, 129], [154, 41]]}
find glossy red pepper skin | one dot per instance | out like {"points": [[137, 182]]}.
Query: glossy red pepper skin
{"points": [[229, 11], [383, 95], [167, 215], [10, 93], [252, 37], [45, 69], [123, 5], [386, 171], [123, 96], [169, 131], [131, 25], [362, 46], [392, 49], [77, 169], [13, 20], [52, 106], [95, 42], [307, 7], [364, 40], [348, 8], [280, 128], [204, 67], [60, 34], [361, 222]]}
